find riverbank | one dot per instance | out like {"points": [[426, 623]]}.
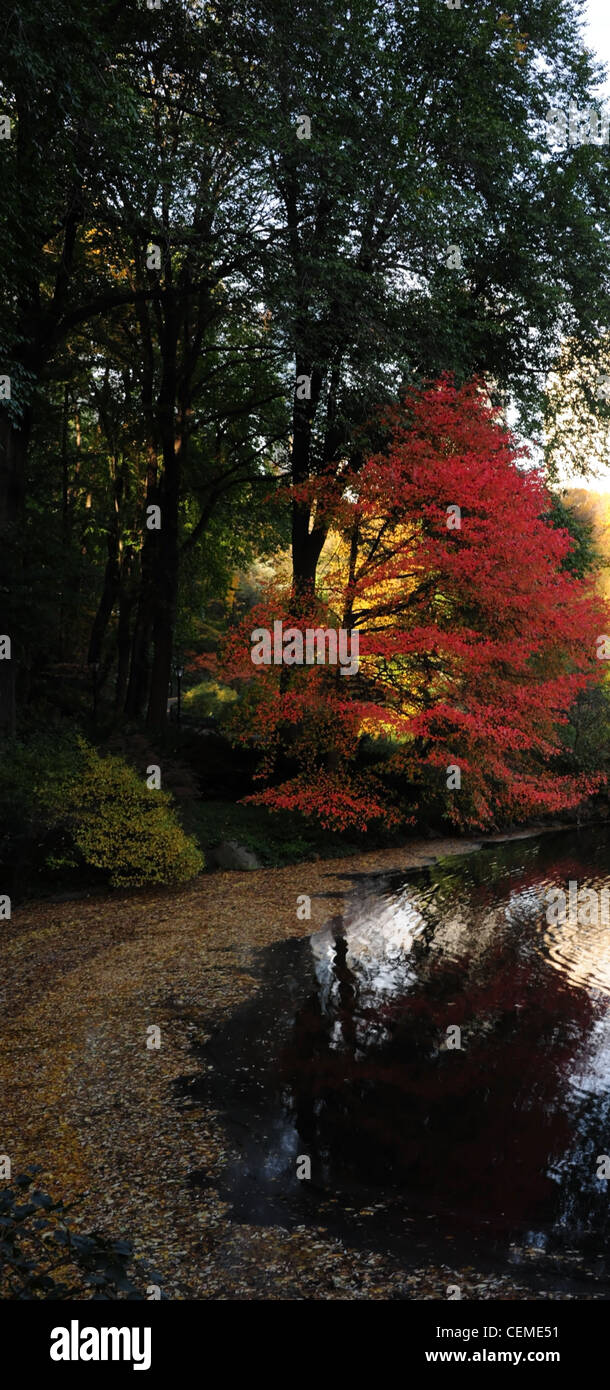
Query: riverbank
{"points": [[90, 1101]]}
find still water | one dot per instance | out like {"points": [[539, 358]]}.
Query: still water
{"points": [[342, 1056]]}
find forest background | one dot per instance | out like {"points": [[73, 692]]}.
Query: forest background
{"points": [[275, 282]]}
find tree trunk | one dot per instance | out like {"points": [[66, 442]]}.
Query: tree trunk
{"points": [[305, 549], [126, 603], [308, 540], [165, 588], [166, 570], [109, 595], [13, 456], [139, 672]]}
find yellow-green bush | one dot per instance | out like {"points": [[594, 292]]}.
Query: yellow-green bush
{"points": [[132, 833], [94, 811], [209, 698]]}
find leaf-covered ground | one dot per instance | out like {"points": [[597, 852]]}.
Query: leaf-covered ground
{"points": [[85, 1098]]}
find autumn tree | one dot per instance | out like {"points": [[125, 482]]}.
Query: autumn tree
{"points": [[474, 637]]}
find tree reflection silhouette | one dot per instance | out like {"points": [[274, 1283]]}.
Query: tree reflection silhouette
{"points": [[377, 1097]]}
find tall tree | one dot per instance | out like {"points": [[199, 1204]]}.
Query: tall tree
{"points": [[69, 128], [424, 221]]}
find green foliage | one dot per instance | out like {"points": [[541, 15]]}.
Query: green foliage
{"points": [[324, 257], [584, 555], [85, 811], [42, 1258], [275, 839], [587, 736], [388, 170], [209, 699]]}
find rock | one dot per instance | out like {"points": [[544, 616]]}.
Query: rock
{"points": [[229, 855]]}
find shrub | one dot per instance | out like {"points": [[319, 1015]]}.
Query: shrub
{"points": [[42, 1257], [210, 699], [94, 812]]}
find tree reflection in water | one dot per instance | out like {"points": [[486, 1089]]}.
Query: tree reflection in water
{"points": [[342, 1056]]}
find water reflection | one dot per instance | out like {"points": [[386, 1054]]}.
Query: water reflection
{"points": [[343, 1056], [580, 949]]}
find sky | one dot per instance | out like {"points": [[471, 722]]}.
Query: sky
{"points": [[597, 37], [598, 31]]}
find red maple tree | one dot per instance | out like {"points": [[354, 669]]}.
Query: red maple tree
{"points": [[474, 639]]}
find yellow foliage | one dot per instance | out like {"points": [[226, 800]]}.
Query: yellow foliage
{"points": [[120, 826]]}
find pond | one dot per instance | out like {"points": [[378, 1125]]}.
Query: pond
{"points": [[440, 1052]]}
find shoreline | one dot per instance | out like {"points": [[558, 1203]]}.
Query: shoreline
{"points": [[83, 980], [409, 854]]}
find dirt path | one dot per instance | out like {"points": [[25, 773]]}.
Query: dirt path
{"points": [[85, 1097]]}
